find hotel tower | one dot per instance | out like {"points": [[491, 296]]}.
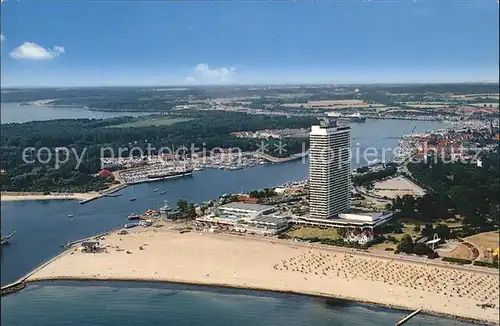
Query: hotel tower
{"points": [[329, 170]]}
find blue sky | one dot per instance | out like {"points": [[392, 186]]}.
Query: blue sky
{"points": [[86, 43]]}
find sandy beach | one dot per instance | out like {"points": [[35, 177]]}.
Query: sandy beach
{"points": [[224, 260], [15, 196]]}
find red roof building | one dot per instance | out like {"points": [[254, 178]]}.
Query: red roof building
{"points": [[105, 173]]}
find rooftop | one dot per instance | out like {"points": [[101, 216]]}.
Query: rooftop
{"points": [[271, 219], [246, 206]]}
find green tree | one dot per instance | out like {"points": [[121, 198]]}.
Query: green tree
{"points": [[443, 231], [191, 211], [428, 231], [254, 194], [421, 249], [182, 205], [406, 244]]}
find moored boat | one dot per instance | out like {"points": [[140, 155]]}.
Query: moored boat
{"points": [[168, 175], [134, 216]]}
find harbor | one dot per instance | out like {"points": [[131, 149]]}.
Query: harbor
{"points": [[107, 213], [157, 168]]}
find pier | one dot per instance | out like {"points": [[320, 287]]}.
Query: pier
{"points": [[21, 283], [106, 193], [407, 318]]}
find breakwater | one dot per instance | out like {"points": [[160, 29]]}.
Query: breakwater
{"points": [[106, 193]]}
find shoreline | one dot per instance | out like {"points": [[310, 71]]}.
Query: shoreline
{"points": [[83, 197], [216, 286], [219, 260], [21, 196]]}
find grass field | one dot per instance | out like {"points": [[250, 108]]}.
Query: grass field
{"points": [[163, 121], [386, 244], [485, 242], [310, 232]]}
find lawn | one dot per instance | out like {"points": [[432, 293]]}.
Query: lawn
{"points": [[311, 232], [385, 244], [461, 251], [485, 239], [485, 242], [162, 121]]}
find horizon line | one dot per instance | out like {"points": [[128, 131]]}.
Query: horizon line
{"points": [[257, 84]]}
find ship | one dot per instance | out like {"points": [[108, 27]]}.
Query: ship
{"points": [[169, 175], [134, 217], [355, 117], [167, 210], [147, 214], [131, 225], [5, 239]]}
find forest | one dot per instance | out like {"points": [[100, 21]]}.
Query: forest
{"points": [[86, 137], [455, 189]]}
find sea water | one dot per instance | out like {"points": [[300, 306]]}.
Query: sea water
{"points": [[122, 304]]}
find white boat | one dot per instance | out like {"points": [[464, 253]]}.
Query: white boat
{"points": [[155, 190], [5, 239], [167, 210], [70, 215]]}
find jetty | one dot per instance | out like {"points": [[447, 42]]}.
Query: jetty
{"points": [[21, 282], [106, 193], [407, 318]]}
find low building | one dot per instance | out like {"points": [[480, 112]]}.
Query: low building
{"points": [[105, 173], [244, 217], [361, 220], [89, 246]]}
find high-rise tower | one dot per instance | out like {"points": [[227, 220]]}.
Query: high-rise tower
{"points": [[329, 170]]}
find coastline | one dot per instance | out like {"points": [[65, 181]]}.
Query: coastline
{"points": [[244, 263], [319, 295], [83, 197], [18, 196]]}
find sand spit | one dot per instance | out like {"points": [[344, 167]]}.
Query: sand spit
{"points": [[16, 196], [241, 262]]}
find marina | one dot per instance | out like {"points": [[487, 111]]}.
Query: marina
{"points": [[156, 168]]}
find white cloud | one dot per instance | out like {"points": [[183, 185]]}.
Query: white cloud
{"points": [[59, 49], [2, 38], [33, 51], [203, 74]]}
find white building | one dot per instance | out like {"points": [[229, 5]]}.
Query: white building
{"points": [[329, 170], [245, 217], [358, 220]]}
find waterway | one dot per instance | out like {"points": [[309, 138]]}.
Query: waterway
{"points": [[13, 112], [43, 226], [123, 304]]}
